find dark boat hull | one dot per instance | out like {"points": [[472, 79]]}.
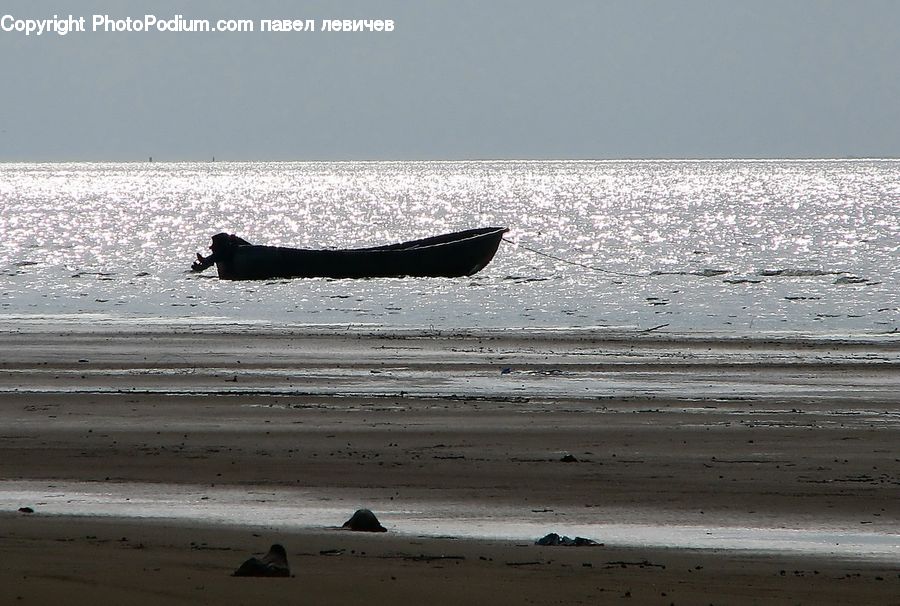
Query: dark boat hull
{"points": [[451, 255]]}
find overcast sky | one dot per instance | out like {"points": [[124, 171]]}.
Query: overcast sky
{"points": [[459, 79]]}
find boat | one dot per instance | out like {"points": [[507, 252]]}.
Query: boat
{"points": [[452, 255]]}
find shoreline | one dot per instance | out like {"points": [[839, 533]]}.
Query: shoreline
{"points": [[302, 511], [451, 432], [89, 561], [81, 323]]}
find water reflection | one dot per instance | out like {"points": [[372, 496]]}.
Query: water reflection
{"points": [[293, 509], [139, 224]]}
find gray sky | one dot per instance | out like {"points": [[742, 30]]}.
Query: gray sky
{"points": [[460, 79]]}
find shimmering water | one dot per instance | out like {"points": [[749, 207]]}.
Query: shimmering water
{"points": [[692, 246]]}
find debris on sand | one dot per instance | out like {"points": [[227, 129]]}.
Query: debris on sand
{"points": [[364, 520], [554, 540], [274, 564]]}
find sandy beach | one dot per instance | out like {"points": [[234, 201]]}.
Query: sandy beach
{"points": [[711, 470]]}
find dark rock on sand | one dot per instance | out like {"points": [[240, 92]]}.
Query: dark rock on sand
{"points": [[554, 540], [364, 520], [274, 564], [568, 458], [26, 510]]}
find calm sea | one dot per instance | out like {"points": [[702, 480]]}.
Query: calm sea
{"points": [[725, 247]]}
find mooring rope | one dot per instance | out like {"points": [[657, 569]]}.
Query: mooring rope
{"points": [[576, 263]]}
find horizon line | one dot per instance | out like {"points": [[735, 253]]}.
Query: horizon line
{"points": [[214, 160]]}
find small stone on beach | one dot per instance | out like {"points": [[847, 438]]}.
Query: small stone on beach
{"points": [[365, 521], [273, 564], [554, 540]]}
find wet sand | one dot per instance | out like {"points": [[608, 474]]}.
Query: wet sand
{"points": [[206, 447]]}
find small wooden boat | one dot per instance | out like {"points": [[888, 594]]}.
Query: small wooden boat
{"points": [[450, 255]]}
